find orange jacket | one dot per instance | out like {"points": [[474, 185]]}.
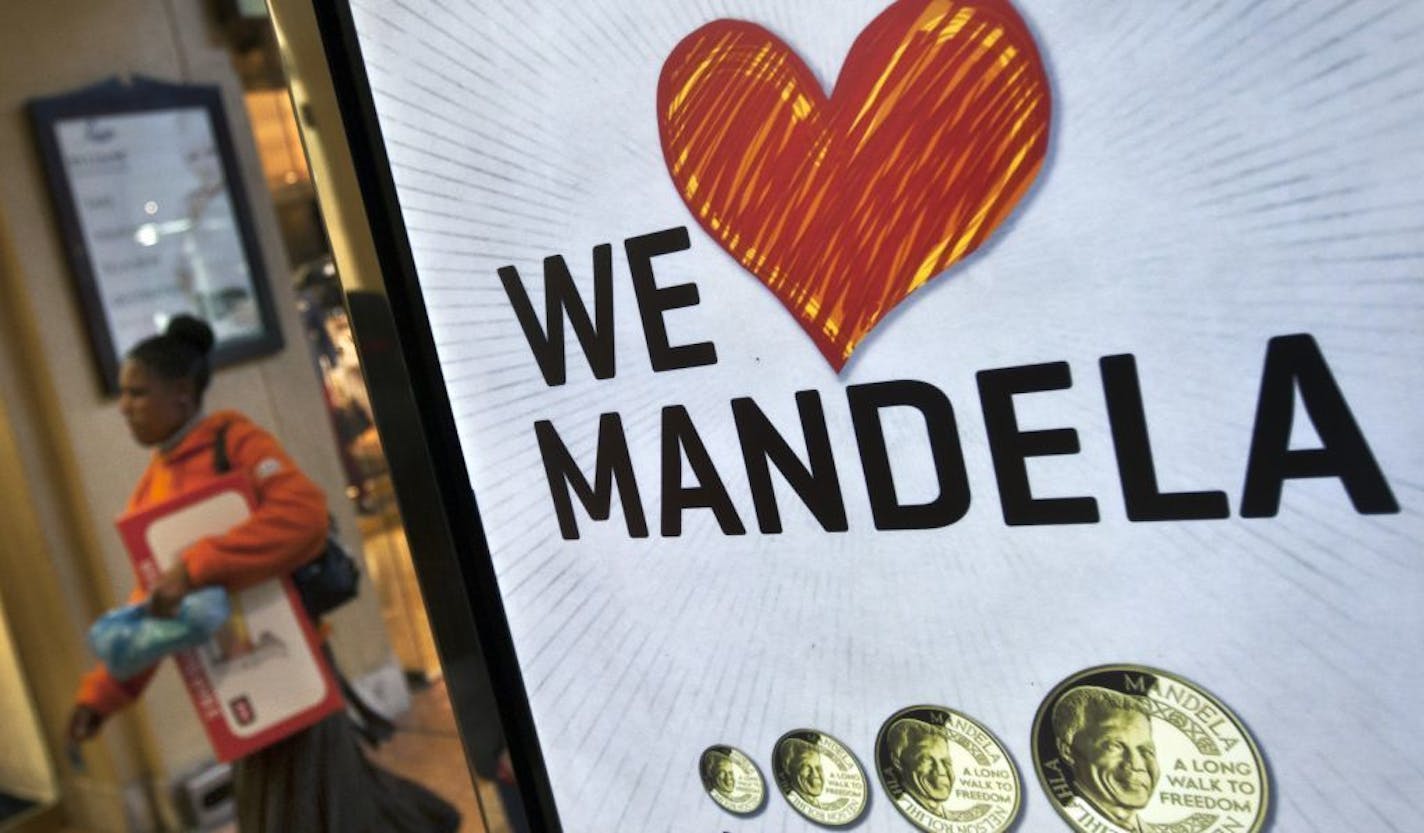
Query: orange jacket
{"points": [[286, 530]]}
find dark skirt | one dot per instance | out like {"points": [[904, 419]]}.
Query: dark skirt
{"points": [[319, 781]]}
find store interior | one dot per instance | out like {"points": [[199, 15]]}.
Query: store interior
{"points": [[64, 466]]}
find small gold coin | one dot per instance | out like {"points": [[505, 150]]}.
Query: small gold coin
{"points": [[733, 781], [1131, 748], [946, 773], [819, 777]]}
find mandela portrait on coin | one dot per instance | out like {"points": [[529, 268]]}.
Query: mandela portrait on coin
{"points": [[718, 773], [919, 755], [800, 767], [731, 780], [1105, 738]]}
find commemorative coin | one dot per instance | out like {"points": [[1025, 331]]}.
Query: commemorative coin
{"points": [[1131, 748], [732, 780], [819, 777], [946, 773]]}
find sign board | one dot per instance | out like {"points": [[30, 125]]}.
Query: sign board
{"points": [[261, 677], [953, 415], [148, 198]]}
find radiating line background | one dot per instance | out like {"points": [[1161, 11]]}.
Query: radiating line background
{"points": [[1221, 173]]}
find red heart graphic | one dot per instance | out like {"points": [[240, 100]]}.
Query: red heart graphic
{"points": [[843, 206]]}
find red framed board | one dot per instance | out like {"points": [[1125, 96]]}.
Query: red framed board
{"points": [[262, 677]]}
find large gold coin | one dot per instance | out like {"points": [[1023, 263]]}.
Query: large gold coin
{"points": [[1130, 748], [946, 773], [732, 780], [819, 777]]}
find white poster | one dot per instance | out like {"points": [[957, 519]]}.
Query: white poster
{"points": [[872, 398], [158, 223]]}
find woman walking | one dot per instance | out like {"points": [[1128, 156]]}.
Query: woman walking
{"points": [[318, 780]]}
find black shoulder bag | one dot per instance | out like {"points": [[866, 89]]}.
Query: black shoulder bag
{"points": [[326, 582]]}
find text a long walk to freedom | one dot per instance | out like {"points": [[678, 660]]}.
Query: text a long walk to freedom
{"points": [[1292, 364]]}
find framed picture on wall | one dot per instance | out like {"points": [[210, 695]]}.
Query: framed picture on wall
{"points": [[145, 186]]}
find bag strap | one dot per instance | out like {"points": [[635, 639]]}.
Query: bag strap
{"points": [[221, 463]]}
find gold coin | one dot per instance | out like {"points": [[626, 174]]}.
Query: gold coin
{"points": [[819, 777], [733, 781], [946, 773], [1131, 748]]}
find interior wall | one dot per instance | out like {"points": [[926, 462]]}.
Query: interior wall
{"points": [[48, 597], [78, 461]]}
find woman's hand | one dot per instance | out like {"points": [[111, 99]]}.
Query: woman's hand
{"points": [[168, 593], [84, 723]]}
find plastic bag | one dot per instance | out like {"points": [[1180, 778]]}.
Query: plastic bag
{"points": [[128, 640]]}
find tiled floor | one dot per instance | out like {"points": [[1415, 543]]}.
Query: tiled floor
{"points": [[426, 749]]}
